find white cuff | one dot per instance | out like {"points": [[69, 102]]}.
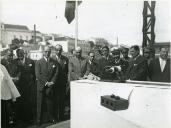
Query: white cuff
{"points": [[119, 68], [112, 69]]}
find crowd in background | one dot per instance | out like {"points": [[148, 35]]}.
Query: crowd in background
{"points": [[41, 87]]}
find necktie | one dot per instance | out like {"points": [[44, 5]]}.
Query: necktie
{"points": [[59, 59], [47, 62]]}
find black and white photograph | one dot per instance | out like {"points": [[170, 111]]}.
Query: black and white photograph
{"points": [[85, 63]]}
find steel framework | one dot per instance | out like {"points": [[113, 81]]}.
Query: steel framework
{"points": [[148, 24]]}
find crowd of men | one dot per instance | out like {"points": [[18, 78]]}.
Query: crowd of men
{"points": [[42, 84]]}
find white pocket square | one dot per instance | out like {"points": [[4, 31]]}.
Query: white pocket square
{"points": [[135, 64]]}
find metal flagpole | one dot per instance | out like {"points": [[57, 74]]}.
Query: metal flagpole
{"points": [[76, 24]]}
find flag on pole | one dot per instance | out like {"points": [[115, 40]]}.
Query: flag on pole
{"points": [[70, 10]]}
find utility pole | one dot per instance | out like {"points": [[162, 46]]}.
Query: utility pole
{"points": [[76, 24], [34, 34]]}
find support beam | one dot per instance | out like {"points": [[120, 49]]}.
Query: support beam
{"points": [[148, 24]]}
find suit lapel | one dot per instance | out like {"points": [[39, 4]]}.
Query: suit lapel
{"points": [[62, 60], [49, 64], [81, 62], [133, 62], [26, 61], [166, 66], [138, 60], [44, 62]]}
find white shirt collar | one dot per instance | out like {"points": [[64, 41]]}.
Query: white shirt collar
{"points": [[106, 57], [136, 57], [45, 58], [58, 57], [161, 59], [117, 61], [23, 61]]}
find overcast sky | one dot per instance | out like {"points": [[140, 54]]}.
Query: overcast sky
{"points": [[105, 18]]}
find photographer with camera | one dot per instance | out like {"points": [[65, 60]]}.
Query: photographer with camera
{"points": [[120, 65]]}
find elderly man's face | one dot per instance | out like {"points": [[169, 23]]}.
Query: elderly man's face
{"points": [[164, 53], [78, 53], [47, 53], [58, 50]]}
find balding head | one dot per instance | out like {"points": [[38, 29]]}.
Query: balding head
{"points": [[47, 48], [78, 52], [78, 49], [58, 46], [58, 50]]}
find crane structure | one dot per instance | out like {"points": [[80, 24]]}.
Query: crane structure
{"points": [[148, 24]]}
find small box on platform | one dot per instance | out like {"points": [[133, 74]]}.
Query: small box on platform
{"points": [[114, 103]]}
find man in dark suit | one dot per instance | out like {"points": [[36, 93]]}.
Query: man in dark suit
{"points": [[138, 68], [25, 85], [78, 66], [147, 53], [105, 62], [125, 56], [46, 74], [62, 81], [93, 64], [159, 68], [12, 69]]}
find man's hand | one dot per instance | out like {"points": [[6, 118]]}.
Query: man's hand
{"points": [[14, 100], [112, 69], [15, 79], [84, 77], [80, 78]]}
